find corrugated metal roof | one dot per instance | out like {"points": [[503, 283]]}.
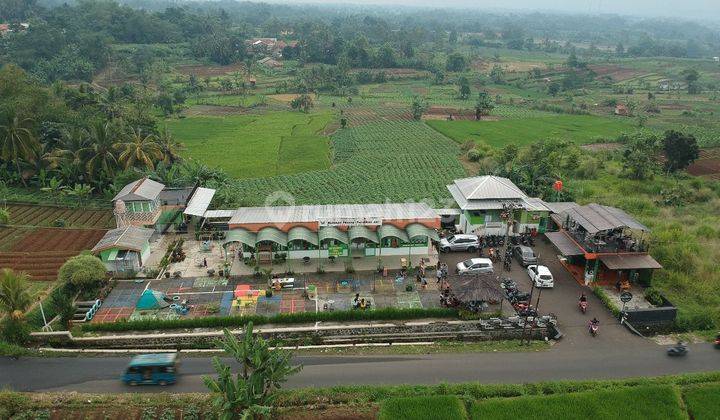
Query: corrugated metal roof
{"points": [[219, 214], [330, 232], [199, 202], [357, 232], [447, 212], [630, 262], [131, 237], [489, 187], [302, 234], [417, 230], [300, 214], [564, 244], [561, 206], [272, 235], [140, 190], [240, 235], [596, 218], [535, 204], [387, 231]]}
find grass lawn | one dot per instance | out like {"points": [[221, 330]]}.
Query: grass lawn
{"points": [[648, 402], [251, 146], [703, 401], [417, 408], [578, 128]]}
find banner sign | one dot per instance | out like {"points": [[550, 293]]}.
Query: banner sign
{"points": [[350, 221]]}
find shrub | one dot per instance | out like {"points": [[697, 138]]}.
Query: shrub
{"points": [[386, 314], [473, 155], [605, 299], [653, 296], [83, 271]]}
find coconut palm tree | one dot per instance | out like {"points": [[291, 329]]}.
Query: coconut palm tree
{"points": [[69, 157], [139, 149], [100, 154], [15, 298], [170, 147], [17, 142]]}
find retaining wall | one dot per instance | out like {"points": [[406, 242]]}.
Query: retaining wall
{"points": [[494, 329]]}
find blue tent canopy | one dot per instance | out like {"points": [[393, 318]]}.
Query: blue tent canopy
{"points": [[152, 299]]}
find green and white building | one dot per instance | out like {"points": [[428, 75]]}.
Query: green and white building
{"points": [[124, 250], [483, 199]]}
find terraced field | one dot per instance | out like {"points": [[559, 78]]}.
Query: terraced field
{"points": [[37, 215], [41, 252]]}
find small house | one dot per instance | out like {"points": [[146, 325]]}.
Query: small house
{"points": [[138, 203], [124, 250], [716, 59], [622, 110], [492, 205]]}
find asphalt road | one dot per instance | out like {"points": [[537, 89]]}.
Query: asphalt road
{"points": [[615, 353], [101, 374]]}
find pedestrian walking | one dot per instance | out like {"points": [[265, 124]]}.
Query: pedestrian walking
{"points": [[205, 262], [439, 274]]}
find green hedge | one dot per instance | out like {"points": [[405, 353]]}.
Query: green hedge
{"points": [[600, 293], [703, 401], [386, 314]]}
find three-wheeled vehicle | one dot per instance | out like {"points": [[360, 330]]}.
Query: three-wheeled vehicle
{"points": [[152, 369]]}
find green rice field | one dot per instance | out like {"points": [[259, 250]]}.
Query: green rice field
{"points": [[577, 128], [251, 146]]}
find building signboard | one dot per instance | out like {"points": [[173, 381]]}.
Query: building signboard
{"points": [[350, 221]]}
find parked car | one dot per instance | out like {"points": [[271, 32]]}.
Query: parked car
{"points": [[460, 242], [475, 266], [524, 255], [541, 276]]}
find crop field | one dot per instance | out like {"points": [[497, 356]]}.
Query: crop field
{"points": [[577, 128], [41, 251], [388, 160], [708, 165], [37, 215], [251, 146], [650, 402]]}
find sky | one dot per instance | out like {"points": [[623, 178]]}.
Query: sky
{"points": [[706, 9]]}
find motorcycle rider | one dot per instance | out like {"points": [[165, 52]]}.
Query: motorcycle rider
{"points": [[583, 298]]}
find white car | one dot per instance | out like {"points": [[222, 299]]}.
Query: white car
{"points": [[541, 276], [474, 266]]}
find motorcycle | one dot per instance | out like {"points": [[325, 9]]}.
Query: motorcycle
{"points": [[717, 342], [583, 305], [678, 350], [593, 328]]}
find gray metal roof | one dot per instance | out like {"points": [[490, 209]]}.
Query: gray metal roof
{"points": [[447, 212], [199, 202], [132, 238], [219, 214], [561, 206], [300, 214], [535, 204], [596, 218], [564, 244], [488, 187], [141, 190], [630, 262]]}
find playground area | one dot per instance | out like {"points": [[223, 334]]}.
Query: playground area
{"points": [[176, 298]]}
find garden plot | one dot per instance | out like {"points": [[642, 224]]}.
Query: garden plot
{"points": [[37, 215]]}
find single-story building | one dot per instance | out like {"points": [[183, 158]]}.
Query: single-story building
{"points": [[124, 250], [323, 231], [602, 245], [485, 201], [270, 63]]}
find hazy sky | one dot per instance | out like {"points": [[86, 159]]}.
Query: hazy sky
{"points": [[686, 8]]}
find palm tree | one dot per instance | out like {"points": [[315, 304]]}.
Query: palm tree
{"points": [[170, 147], [17, 142], [139, 149], [69, 157], [15, 298], [100, 153]]}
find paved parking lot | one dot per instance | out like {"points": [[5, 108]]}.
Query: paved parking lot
{"points": [[562, 300]]}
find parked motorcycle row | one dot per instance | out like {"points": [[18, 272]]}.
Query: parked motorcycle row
{"points": [[518, 299]]}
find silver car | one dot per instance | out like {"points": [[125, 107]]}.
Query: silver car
{"points": [[474, 266], [525, 255], [460, 242]]}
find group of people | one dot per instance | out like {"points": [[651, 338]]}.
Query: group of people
{"points": [[360, 303]]}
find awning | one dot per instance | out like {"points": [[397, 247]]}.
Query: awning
{"points": [[390, 231], [357, 232], [300, 233], [630, 262], [564, 244], [417, 230], [199, 202], [272, 235], [240, 235], [330, 232]]}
